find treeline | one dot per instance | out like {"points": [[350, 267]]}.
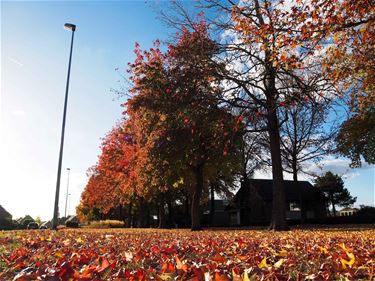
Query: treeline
{"points": [[245, 87]]}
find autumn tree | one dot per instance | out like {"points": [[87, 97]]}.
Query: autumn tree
{"points": [[350, 57], [350, 63], [175, 101], [333, 186], [356, 138], [268, 45], [111, 181]]}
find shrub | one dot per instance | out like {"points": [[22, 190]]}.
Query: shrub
{"points": [[72, 224], [106, 224], [8, 225]]}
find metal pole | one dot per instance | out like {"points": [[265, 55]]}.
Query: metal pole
{"points": [[56, 208], [67, 192], [70, 199]]}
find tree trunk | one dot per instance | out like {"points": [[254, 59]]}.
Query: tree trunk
{"points": [[294, 168], [129, 221], [333, 203], [142, 214], [294, 151], [187, 214], [301, 201], [170, 215], [161, 216], [148, 219], [197, 193], [278, 221], [212, 204]]}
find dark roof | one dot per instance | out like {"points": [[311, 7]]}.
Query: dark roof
{"points": [[219, 205], [293, 190], [72, 219], [25, 218], [46, 223], [4, 214]]}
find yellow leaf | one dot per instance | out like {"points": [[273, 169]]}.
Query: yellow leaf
{"points": [[263, 263], [59, 255], [336, 37], [66, 242], [342, 246], [282, 253], [245, 276], [279, 263], [350, 262], [79, 240], [167, 276], [323, 249], [163, 117]]}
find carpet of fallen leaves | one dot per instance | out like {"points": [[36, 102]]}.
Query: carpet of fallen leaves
{"points": [[149, 254]]}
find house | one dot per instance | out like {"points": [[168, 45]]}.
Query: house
{"points": [[4, 214], [72, 221], [25, 220], [220, 216], [46, 224], [252, 204], [348, 212]]}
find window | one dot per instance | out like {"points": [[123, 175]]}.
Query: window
{"points": [[294, 206]]}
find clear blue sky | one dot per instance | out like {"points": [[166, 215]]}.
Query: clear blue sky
{"points": [[34, 58]]}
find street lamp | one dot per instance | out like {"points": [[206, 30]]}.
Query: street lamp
{"points": [[70, 198], [67, 192], [70, 27]]}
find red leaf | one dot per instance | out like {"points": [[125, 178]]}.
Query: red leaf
{"points": [[140, 274], [167, 267], [66, 271], [221, 277], [104, 265], [180, 265]]}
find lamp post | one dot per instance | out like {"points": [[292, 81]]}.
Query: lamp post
{"points": [[67, 192], [70, 27], [70, 198]]}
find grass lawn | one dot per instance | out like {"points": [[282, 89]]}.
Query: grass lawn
{"points": [[149, 254]]}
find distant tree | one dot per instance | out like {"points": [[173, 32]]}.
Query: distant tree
{"points": [[306, 136], [356, 138], [344, 198], [333, 186], [366, 210], [38, 220]]}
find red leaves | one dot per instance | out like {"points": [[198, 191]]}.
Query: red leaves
{"points": [[180, 265], [218, 258], [134, 254], [221, 277], [167, 267], [104, 264], [66, 271]]}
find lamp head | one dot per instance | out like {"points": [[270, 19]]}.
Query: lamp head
{"points": [[69, 26]]}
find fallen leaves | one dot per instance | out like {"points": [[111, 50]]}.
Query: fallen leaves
{"points": [[134, 254]]}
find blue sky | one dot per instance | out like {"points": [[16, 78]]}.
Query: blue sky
{"points": [[34, 58]]}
